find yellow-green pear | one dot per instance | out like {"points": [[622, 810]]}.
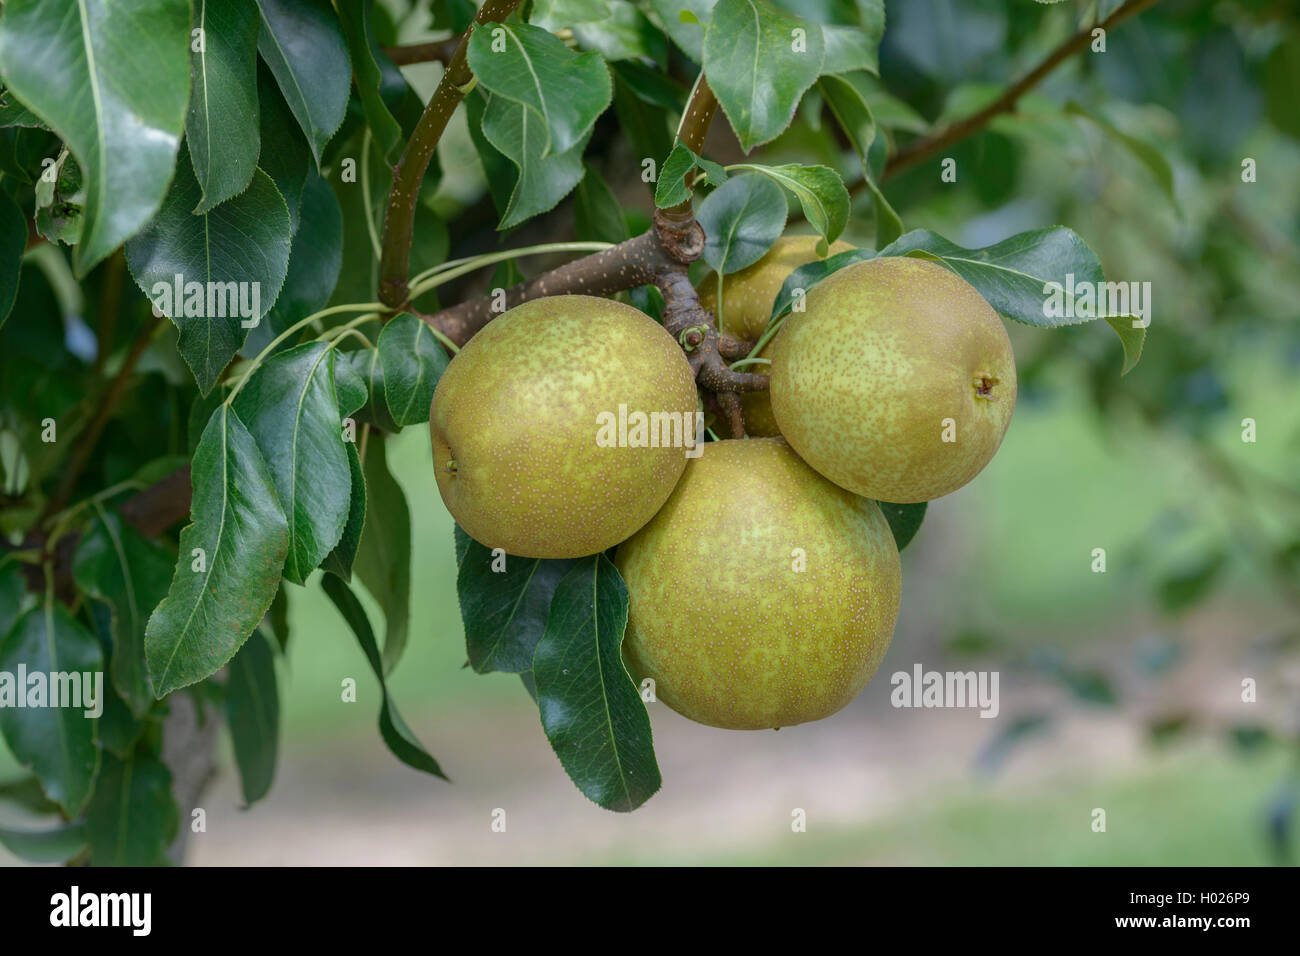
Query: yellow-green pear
{"points": [[761, 595], [540, 439], [897, 382], [748, 296]]}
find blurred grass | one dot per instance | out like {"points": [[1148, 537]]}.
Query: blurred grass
{"points": [[1193, 808]]}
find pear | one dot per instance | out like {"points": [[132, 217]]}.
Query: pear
{"points": [[761, 595], [897, 382], [748, 296], [519, 415]]}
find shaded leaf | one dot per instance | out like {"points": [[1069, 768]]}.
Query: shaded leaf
{"points": [[118, 103], [56, 742], [13, 241], [383, 559], [302, 42], [589, 706], [820, 192], [289, 406], [340, 560], [55, 845], [253, 715], [504, 610], [413, 362], [130, 574], [904, 520], [238, 254], [231, 555], [221, 127], [741, 219], [314, 263], [133, 817], [392, 728]]}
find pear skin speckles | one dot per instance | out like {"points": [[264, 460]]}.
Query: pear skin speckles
{"points": [[897, 382], [516, 412], [761, 595], [748, 297]]}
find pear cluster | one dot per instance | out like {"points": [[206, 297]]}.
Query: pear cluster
{"points": [[763, 578]]}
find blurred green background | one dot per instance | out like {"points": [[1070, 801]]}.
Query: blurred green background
{"points": [[1120, 691]]}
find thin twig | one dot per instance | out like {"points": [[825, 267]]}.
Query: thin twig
{"points": [[399, 220], [927, 146]]}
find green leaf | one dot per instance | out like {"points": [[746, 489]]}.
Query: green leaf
{"points": [[623, 33], [370, 371], [340, 560], [590, 708], [228, 569], [643, 99], [130, 574], [413, 362], [847, 98], [504, 602], [759, 66], [741, 220], [289, 407], [562, 92], [1148, 155], [13, 590], [1281, 80], [285, 156], [348, 382], [597, 216], [904, 520], [13, 242], [542, 181], [561, 14], [237, 254], [851, 48], [820, 192], [60, 203], [253, 715], [26, 792], [222, 125], [1131, 339], [117, 102], [314, 263], [365, 53], [392, 728], [133, 817], [56, 845], [302, 42], [384, 556], [671, 188], [684, 22], [57, 743], [14, 113]]}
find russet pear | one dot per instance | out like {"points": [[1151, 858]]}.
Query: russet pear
{"points": [[515, 422], [897, 382], [747, 300], [761, 595]]}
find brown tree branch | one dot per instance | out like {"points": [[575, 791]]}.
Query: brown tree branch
{"points": [[399, 220], [90, 436], [440, 51], [927, 146]]}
